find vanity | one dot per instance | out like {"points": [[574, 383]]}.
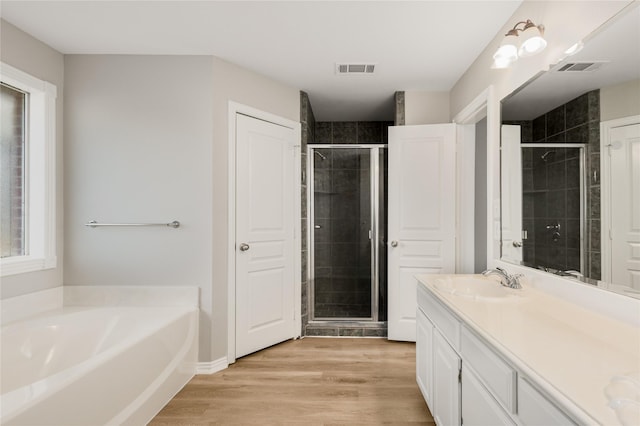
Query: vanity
{"points": [[491, 355]]}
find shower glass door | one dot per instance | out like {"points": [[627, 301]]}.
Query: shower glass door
{"points": [[345, 199]]}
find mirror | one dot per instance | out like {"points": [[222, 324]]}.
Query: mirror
{"points": [[570, 163]]}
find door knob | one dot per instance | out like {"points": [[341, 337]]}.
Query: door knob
{"points": [[517, 244], [244, 247], [394, 243]]}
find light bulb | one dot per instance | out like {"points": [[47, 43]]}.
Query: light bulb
{"points": [[532, 42]]}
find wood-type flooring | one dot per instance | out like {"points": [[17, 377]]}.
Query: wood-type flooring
{"points": [[312, 381]]}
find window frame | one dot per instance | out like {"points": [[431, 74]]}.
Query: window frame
{"points": [[40, 177]]}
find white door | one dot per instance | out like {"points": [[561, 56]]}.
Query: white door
{"points": [[421, 231], [624, 151], [264, 234], [511, 165]]}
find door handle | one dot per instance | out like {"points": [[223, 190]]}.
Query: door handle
{"points": [[517, 244], [394, 243], [244, 247]]}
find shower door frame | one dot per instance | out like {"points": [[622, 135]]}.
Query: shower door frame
{"points": [[582, 147], [374, 176]]}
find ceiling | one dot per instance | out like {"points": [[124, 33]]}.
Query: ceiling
{"points": [[616, 44], [416, 45]]}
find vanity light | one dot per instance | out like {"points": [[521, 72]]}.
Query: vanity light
{"points": [[532, 42]]}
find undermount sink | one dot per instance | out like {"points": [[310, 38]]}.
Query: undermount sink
{"points": [[472, 287]]}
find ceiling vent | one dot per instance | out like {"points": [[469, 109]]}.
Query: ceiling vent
{"points": [[580, 66], [344, 69]]}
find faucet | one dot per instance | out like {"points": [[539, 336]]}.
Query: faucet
{"points": [[506, 279]]}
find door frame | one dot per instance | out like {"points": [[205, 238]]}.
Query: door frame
{"points": [[605, 191], [485, 105], [234, 109]]}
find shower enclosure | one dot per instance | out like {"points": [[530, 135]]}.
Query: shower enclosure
{"points": [[553, 216], [347, 233]]}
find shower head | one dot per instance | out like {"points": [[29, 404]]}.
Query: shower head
{"points": [[546, 154], [320, 155]]}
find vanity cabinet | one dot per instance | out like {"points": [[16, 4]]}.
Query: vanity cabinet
{"points": [[424, 366], [465, 381], [446, 382]]}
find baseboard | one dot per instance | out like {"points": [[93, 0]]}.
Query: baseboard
{"points": [[212, 366]]}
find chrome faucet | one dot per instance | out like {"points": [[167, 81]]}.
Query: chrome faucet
{"points": [[506, 279]]}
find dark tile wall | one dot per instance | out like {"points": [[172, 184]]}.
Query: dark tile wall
{"points": [[342, 275], [352, 132], [552, 185], [308, 130], [399, 109]]}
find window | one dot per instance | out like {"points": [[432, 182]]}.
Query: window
{"points": [[12, 168], [27, 176]]}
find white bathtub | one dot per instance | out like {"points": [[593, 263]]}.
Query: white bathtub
{"points": [[96, 365]]}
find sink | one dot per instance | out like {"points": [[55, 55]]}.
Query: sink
{"points": [[473, 287], [623, 393]]}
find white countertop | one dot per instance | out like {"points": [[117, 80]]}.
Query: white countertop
{"points": [[570, 352]]}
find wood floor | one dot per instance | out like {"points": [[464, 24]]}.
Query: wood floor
{"points": [[313, 381]]}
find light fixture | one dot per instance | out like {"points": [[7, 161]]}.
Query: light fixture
{"points": [[532, 42]]}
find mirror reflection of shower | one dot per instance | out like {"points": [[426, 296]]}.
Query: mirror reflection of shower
{"points": [[552, 206], [546, 154]]}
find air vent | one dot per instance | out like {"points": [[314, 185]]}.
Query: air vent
{"points": [[579, 66], [356, 68]]}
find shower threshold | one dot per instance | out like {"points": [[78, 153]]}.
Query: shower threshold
{"points": [[348, 323], [346, 328]]}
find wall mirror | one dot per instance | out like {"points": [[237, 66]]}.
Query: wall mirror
{"points": [[569, 175]]}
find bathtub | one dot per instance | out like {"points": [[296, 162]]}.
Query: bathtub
{"points": [[95, 365]]}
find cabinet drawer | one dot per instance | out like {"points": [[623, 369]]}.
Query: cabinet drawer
{"points": [[535, 409], [496, 374], [443, 320]]}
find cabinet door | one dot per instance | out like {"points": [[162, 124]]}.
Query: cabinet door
{"points": [[446, 386], [478, 406], [424, 357]]}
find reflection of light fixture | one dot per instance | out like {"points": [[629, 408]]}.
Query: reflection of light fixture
{"points": [[532, 42], [574, 49]]}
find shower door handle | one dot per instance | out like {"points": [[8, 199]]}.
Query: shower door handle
{"points": [[394, 243], [244, 247]]}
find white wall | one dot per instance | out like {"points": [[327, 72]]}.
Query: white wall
{"points": [[426, 107], [233, 83], [621, 100], [24, 52], [139, 148]]}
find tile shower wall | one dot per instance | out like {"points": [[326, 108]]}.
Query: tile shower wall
{"points": [[552, 188], [308, 129]]}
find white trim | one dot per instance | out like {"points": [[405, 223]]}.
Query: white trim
{"points": [[605, 190], [487, 105], [234, 109], [465, 193], [212, 367], [41, 157]]}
